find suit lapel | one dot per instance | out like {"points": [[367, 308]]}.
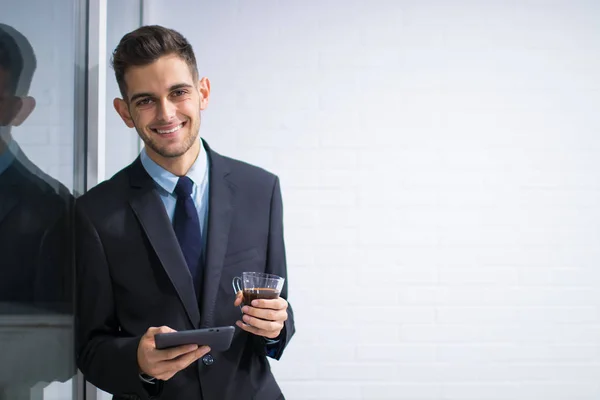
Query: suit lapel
{"points": [[221, 195], [9, 191], [150, 211]]}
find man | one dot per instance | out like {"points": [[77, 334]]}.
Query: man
{"points": [[160, 242]]}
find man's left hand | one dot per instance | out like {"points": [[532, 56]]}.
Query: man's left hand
{"points": [[263, 317]]}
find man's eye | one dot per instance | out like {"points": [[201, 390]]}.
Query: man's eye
{"points": [[144, 102], [178, 93]]}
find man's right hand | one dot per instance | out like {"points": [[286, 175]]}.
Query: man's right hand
{"points": [[163, 364]]}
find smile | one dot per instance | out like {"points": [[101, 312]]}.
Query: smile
{"points": [[167, 131]]}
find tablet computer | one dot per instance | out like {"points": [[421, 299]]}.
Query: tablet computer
{"points": [[218, 338]]}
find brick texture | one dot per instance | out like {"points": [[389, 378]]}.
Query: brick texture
{"points": [[439, 163]]}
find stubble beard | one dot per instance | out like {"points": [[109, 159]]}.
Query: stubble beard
{"points": [[178, 151]]}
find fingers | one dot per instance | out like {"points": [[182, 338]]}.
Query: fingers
{"points": [[147, 353], [165, 370], [163, 364], [274, 304], [149, 335], [239, 297], [186, 359], [161, 329], [167, 354], [174, 352], [266, 313], [271, 334], [265, 318], [258, 323]]}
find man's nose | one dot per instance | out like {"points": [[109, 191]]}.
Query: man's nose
{"points": [[166, 110]]}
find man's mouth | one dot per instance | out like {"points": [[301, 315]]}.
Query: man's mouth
{"points": [[168, 129]]}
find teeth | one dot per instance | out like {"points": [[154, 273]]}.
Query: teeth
{"points": [[170, 130]]}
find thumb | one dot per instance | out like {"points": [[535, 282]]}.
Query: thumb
{"points": [[156, 330]]}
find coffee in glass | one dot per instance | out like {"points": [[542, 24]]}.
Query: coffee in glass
{"points": [[258, 285]]}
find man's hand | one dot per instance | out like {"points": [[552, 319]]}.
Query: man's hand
{"points": [[263, 317], [163, 364]]}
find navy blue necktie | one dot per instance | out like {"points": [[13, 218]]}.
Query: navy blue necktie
{"points": [[187, 229]]}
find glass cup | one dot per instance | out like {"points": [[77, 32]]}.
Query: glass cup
{"points": [[258, 285]]}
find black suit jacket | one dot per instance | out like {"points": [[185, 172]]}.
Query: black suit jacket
{"points": [[35, 262], [132, 275]]}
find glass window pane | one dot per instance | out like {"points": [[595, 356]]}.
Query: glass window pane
{"points": [[38, 174]]}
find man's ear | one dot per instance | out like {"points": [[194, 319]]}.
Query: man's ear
{"points": [[24, 106], [204, 90], [123, 111]]}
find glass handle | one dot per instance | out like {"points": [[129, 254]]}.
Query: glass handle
{"points": [[236, 282]]}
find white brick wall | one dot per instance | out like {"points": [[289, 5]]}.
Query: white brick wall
{"points": [[121, 142], [439, 163]]}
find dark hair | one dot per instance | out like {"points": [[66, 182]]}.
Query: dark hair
{"points": [[147, 44], [18, 59]]}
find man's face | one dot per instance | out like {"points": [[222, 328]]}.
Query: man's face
{"points": [[7, 101], [13, 109], [163, 105]]}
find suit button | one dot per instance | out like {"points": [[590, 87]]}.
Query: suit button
{"points": [[208, 359]]}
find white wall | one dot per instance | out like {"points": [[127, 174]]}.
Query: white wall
{"points": [[121, 142], [439, 169]]}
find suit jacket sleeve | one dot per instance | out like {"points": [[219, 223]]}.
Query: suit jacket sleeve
{"points": [[107, 358], [276, 264]]}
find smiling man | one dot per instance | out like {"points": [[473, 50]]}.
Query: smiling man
{"points": [[160, 242]]}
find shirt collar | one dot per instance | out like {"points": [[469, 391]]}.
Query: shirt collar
{"points": [[167, 180]]}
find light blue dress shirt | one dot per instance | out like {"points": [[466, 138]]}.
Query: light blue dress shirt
{"points": [[166, 182]]}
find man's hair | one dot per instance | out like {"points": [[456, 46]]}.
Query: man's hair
{"points": [[18, 59], [147, 44]]}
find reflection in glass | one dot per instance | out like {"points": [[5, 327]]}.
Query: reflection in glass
{"points": [[35, 266]]}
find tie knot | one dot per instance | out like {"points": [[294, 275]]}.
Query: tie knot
{"points": [[184, 187]]}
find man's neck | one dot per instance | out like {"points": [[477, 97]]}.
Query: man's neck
{"points": [[178, 166]]}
